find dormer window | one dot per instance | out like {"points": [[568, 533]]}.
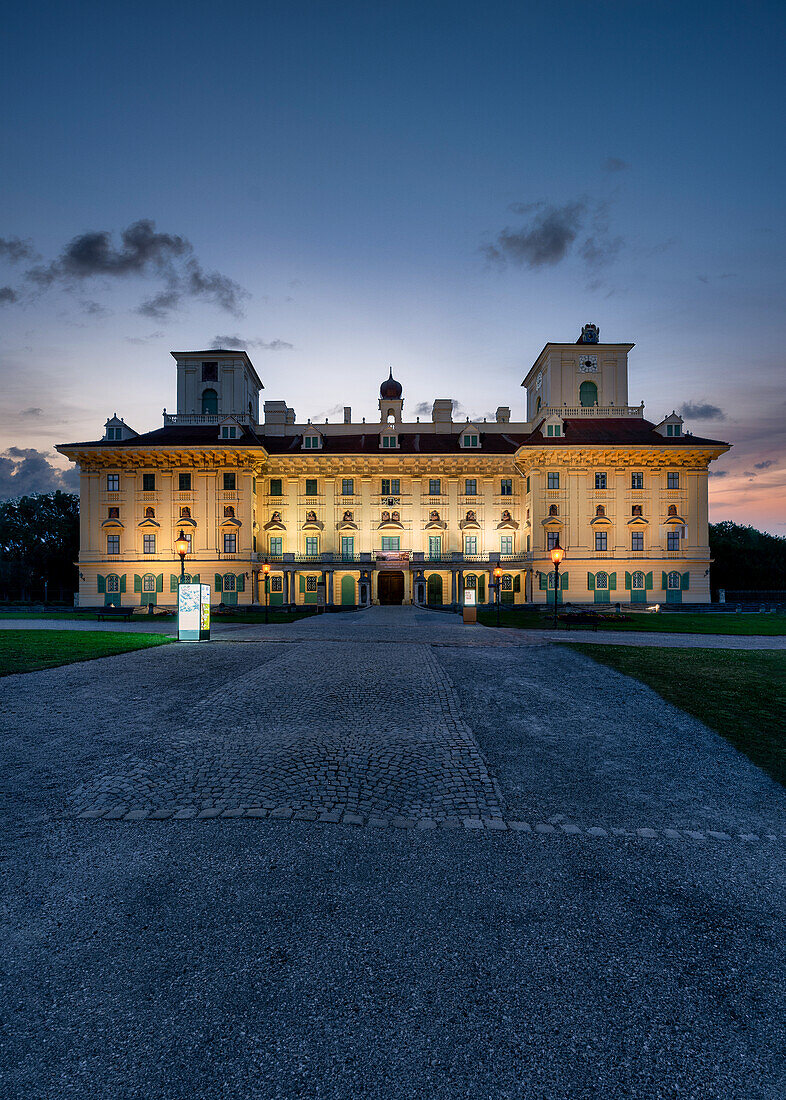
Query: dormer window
{"points": [[228, 432], [311, 442], [470, 440], [673, 429], [554, 429], [389, 442]]}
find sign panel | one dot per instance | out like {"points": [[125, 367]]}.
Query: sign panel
{"points": [[189, 612], [470, 597], [204, 612]]}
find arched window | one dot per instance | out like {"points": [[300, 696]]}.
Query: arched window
{"points": [[507, 582], [229, 582], [186, 578], [470, 581], [553, 510], [148, 583], [672, 509], [537, 404], [588, 394], [637, 580], [150, 513], [391, 417], [210, 402], [602, 581], [673, 582], [600, 510], [113, 583]]}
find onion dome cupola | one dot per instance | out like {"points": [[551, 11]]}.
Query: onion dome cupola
{"points": [[390, 400], [390, 388]]}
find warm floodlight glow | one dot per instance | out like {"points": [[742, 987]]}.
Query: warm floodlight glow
{"points": [[266, 568], [181, 544], [498, 572], [557, 554]]}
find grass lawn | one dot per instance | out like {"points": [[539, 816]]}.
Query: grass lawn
{"points": [[740, 695], [274, 616], [29, 650], [669, 622]]}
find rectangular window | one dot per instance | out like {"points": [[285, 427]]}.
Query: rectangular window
{"points": [[348, 487], [434, 487], [311, 442], [230, 543], [228, 432], [312, 545], [528, 484], [552, 538], [184, 483], [113, 483], [148, 483], [552, 480], [391, 487], [506, 544], [601, 540], [391, 542], [673, 480], [600, 481], [229, 483], [389, 441], [188, 540], [311, 584], [673, 540], [276, 584], [637, 481], [673, 581], [275, 487], [470, 487], [347, 547], [311, 487], [148, 583], [506, 487], [637, 540], [230, 582], [471, 544], [276, 545], [149, 544], [470, 441], [113, 544], [550, 429], [435, 546], [210, 372], [113, 583]]}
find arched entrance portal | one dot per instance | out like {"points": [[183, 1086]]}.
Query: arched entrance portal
{"points": [[390, 587], [434, 589]]}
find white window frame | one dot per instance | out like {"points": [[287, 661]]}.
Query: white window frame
{"points": [[148, 544], [506, 544], [148, 583], [602, 581], [229, 583], [112, 541], [113, 483], [638, 581], [276, 545], [230, 542], [673, 581], [312, 545], [471, 544]]}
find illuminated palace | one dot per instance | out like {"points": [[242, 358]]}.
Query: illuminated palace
{"points": [[396, 511]]}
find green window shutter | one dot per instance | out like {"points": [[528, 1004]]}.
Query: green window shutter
{"points": [[542, 582], [481, 589], [685, 581], [123, 582], [664, 581], [302, 580], [195, 578], [101, 583], [627, 580], [172, 582], [591, 582], [612, 582], [563, 581], [160, 582], [240, 582], [517, 583], [219, 583], [648, 581], [137, 583]]}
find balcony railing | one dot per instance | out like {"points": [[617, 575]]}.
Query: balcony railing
{"points": [[205, 418], [592, 410]]}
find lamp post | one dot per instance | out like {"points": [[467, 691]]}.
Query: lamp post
{"points": [[181, 546], [498, 586], [557, 554], [266, 575]]}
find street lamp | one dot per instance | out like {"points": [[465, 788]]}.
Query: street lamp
{"points": [[557, 554], [498, 585], [181, 546], [266, 575]]}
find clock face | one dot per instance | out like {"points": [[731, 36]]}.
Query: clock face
{"points": [[588, 364], [590, 334], [539, 380]]}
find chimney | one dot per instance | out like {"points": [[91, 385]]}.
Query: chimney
{"points": [[442, 414], [503, 415], [347, 414]]}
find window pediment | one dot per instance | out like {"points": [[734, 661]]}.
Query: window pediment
{"points": [[148, 521], [229, 521], [675, 519], [113, 523]]}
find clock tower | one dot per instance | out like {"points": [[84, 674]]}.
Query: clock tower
{"points": [[586, 374]]}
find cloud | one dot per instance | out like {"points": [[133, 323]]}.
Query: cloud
{"points": [[763, 465], [94, 309], [701, 411], [425, 407], [8, 294], [35, 411], [550, 233], [143, 339], [615, 164], [243, 345], [14, 249], [145, 253], [27, 470], [718, 473]]}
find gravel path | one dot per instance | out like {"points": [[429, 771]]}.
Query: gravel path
{"points": [[313, 958]]}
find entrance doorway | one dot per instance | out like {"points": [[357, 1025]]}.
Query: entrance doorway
{"points": [[434, 589], [390, 588]]}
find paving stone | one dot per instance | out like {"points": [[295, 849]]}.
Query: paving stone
{"points": [[544, 827], [473, 823], [203, 815], [748, 836], [403, 823], [694, 835], [673, 834], [136, 815], [161, 815], [718, 836], [647, 832], [352, 819], [495, 823], [519, 826], [427, 823], [572, 829], [596, 831], [255, 811], [116, 814], [305, 815], [283, 815], [233, 813], [92, 814]]}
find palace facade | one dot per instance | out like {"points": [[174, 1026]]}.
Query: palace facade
{"points": [[399, 511]]}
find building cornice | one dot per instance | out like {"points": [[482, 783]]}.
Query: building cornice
{"points": [[614, 455]]}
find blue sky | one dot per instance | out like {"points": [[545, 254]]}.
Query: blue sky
{"points": [[440, 187]]}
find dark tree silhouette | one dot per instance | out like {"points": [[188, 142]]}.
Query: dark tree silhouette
{"points": [[39, 545], [746, 559]]}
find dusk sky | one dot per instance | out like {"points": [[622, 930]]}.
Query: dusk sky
{"points": [[440, 187]]}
